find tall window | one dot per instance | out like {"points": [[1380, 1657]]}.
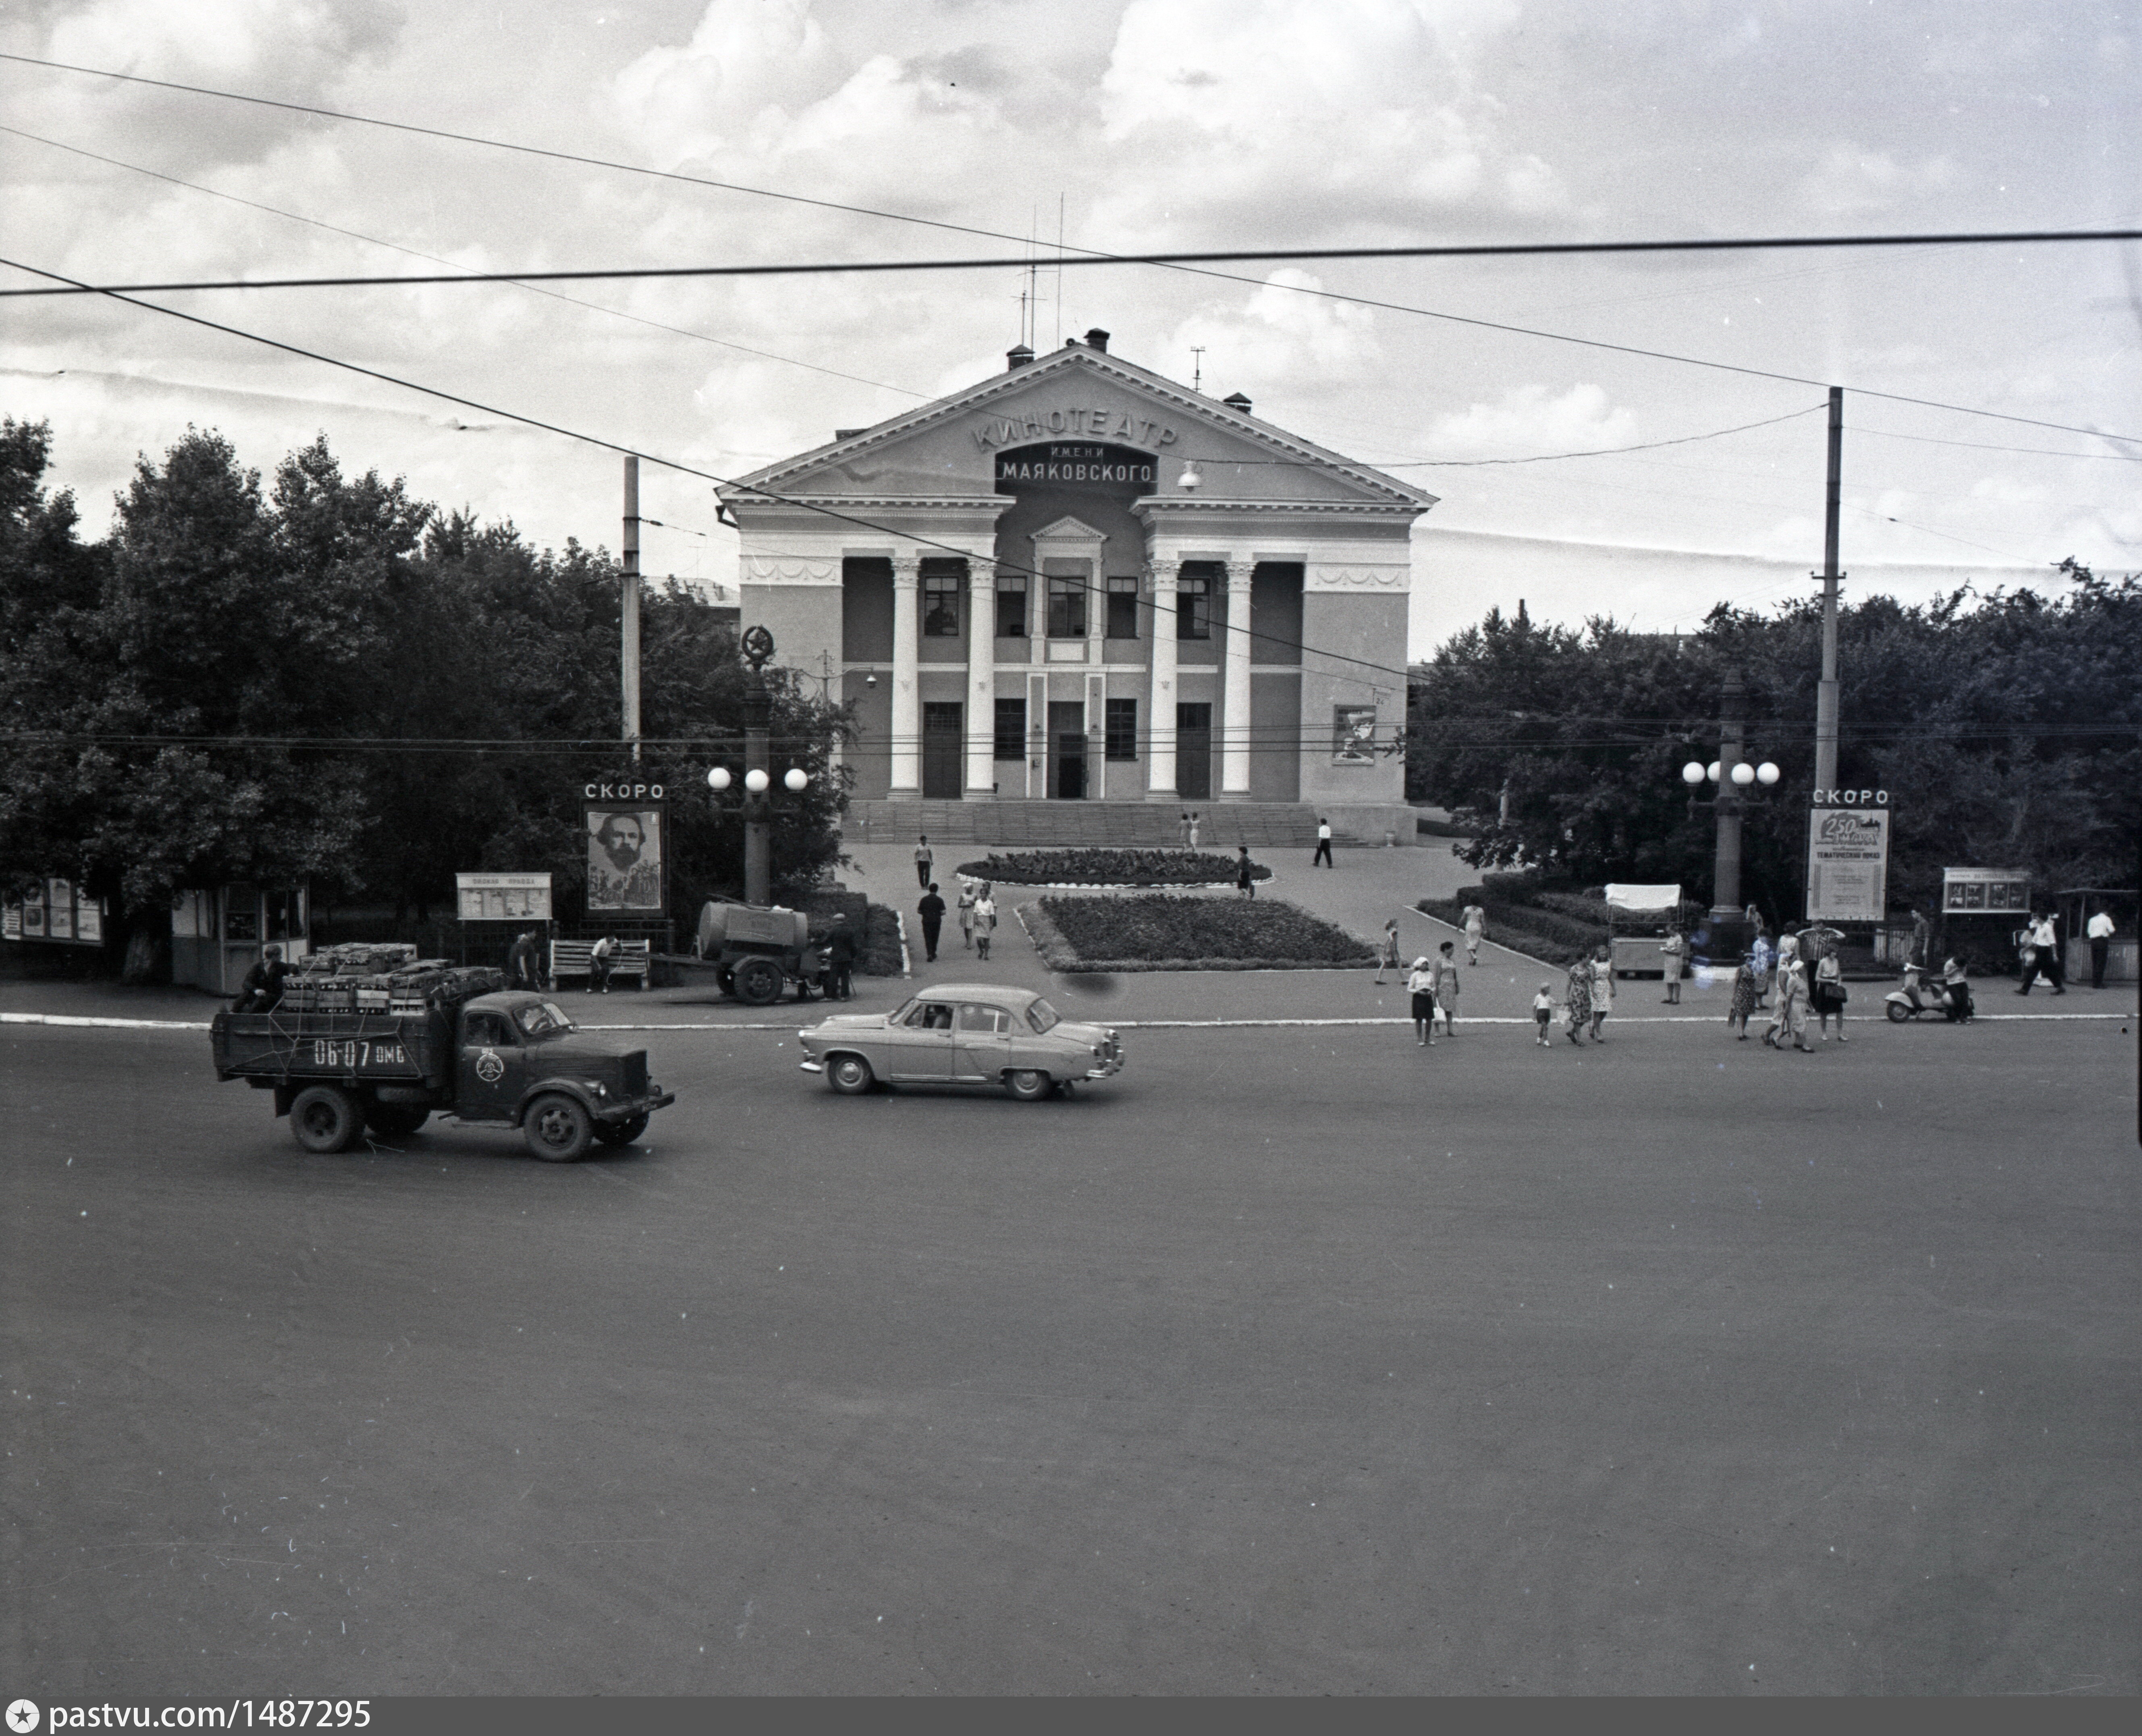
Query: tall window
{"points": [[941, 600], [1067, 608], [1011, 730], [1193, 606], [1123, 729], [1011, 607], [1123, 608]]}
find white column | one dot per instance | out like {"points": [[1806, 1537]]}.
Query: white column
{"points": [[981, 675], [1235, 729], [1160, 582], [906, 675]]}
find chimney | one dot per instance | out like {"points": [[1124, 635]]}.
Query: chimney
{"points": [[1016, 358], [848, 433], [1099, 339], [1238, 401]]}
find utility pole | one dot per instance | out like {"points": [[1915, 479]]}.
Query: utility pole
{"points": [[1825, 694], [629, 611]]}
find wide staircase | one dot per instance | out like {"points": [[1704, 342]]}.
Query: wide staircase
{"points": [[1261, 825]]}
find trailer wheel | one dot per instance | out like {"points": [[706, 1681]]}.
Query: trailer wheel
{"points": [[395, 1120], [621, 1133], [557, 1128], [758, 983], [325, 1118]]}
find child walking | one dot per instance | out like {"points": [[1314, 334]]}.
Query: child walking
{"points": [[1543, 1012]]}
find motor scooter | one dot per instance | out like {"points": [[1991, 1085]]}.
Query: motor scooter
{"points": [[1916, 996]]}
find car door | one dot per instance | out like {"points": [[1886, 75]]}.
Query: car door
{"points": [[920, 1048], [492, 1068], [981, 1042]]}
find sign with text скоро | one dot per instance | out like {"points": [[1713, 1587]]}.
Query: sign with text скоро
{"points": [[1848, 862]]}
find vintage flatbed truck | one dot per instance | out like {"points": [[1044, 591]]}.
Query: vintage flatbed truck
{"points": [[513, 1058]]}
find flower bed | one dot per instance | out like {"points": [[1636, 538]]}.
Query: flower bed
{"points": [[1110, 867], [1157, 932]]}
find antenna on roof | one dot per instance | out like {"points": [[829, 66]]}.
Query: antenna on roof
{"points": [[1197, 368]]}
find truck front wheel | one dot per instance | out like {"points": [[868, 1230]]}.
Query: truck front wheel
{"points": [[557, 1128], [324, 1118]]}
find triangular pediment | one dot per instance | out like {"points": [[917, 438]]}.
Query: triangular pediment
{"points": [[1068, 529], [948, 449]]}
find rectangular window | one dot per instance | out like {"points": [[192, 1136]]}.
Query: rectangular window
{"points": [[940, 602], [1067, 608], [1011, 730], [1123, 608], [1123, 729], [1011, 607], [1193, 606]]}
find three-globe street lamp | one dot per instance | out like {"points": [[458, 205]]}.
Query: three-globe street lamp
{"points": [[1733, 776], [758, 647]]}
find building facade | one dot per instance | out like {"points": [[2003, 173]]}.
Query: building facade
{"points": [[1078, 581]]}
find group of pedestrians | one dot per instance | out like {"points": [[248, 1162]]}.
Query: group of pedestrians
{"points": [[977, 906]]}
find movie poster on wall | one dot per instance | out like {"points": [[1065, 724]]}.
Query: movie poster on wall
{"points": [[1353, 734], [625, 860]]}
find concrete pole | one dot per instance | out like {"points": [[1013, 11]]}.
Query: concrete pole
{"points": [[1825, 694], [1727, 920], [629, 611]]}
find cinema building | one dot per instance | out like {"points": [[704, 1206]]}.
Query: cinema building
{"points": [[1079, 582]]}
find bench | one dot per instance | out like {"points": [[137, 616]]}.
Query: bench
{"points": [[573, 958]]}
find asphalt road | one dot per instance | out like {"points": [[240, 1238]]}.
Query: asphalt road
{"points": [[1293, 1360]]}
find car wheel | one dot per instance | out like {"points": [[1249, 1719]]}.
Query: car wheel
{"points": [[557, 1128], [621, 1133], [1898, 1014], [325, 1118], [758, 983], [850, 1075], [1028, 1086], [395, 1120]]}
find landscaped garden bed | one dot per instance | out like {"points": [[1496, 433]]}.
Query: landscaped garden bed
{"points": [[1110, 867], [1163, 931]]}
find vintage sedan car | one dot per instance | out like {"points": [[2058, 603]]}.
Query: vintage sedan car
{"points": [[962, 1033]]}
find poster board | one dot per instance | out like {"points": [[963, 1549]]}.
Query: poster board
{"points": [[625, 843], [1847, 879], [502, 897], [1986, 892]]}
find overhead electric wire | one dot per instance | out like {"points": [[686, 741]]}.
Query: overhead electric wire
{"points": [[1088, 255]]}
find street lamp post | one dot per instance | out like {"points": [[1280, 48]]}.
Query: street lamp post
{"points": [[757, 806], [1733, 776]]}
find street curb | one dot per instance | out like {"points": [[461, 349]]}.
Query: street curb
{"points": [[60, 1018]]}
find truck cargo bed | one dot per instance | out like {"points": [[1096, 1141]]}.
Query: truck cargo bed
{"points": [[344, 1046]]}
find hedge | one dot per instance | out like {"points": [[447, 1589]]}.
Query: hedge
{"points": [[1157, 932], [1546, 934], [1111, 867]]}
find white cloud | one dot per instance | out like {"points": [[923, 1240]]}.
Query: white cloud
{"points": [[1279, 341], [1852, 182], [1529, 419]]}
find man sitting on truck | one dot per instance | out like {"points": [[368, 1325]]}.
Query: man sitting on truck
{"points": [[262, 986]]}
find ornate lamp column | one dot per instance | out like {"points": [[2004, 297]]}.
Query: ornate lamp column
{"points": [[758, 647], [906, 779], [1160, 583], [1235, 753]]}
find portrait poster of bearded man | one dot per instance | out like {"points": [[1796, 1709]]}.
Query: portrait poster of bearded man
{"points": [[625, 860]]}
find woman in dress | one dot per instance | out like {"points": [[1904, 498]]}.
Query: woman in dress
{"points": [[966, 915], [1762, 958], [1476, 929], [1577, 999], [1602, 990], [1672, 950], [1788, 948], [1791, 1015], [1420, 984], [1387, 949], [1826, 995], [986, 918], [1744, 996]]}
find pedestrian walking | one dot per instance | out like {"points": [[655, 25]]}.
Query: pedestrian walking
{"points": [[1826, 994], [1182, 829], [2099, 931], [1577, 999], [1788, 955], [931, 910], [2042, 954], [1762, 960], [1790, 1018], [1387, 949], [966, 916], [1244, 882], [923, 861], [523, 966], [1474, 920], [1323, 842], [985, 919], [1543, 1011], [1447, 985], [1602, 990], [1194, 824], [839, 959], [1673, 949], [1743, 1003], [1922, 934], [1420, 984], [600, 957]]}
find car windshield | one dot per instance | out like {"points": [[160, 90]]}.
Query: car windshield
{"points": [[546, 1018], [1042, 1015]]}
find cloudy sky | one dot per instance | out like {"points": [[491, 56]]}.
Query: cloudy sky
{"points": [[1154, 124]]}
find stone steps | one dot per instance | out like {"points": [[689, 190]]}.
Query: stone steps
{"points": [[1063, 825]]}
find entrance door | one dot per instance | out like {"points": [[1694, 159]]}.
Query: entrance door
{"points": [[944, 750], [1193, 751], [1067, 749]]}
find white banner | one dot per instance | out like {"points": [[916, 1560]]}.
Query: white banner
{"points": [[1848, 864]]}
